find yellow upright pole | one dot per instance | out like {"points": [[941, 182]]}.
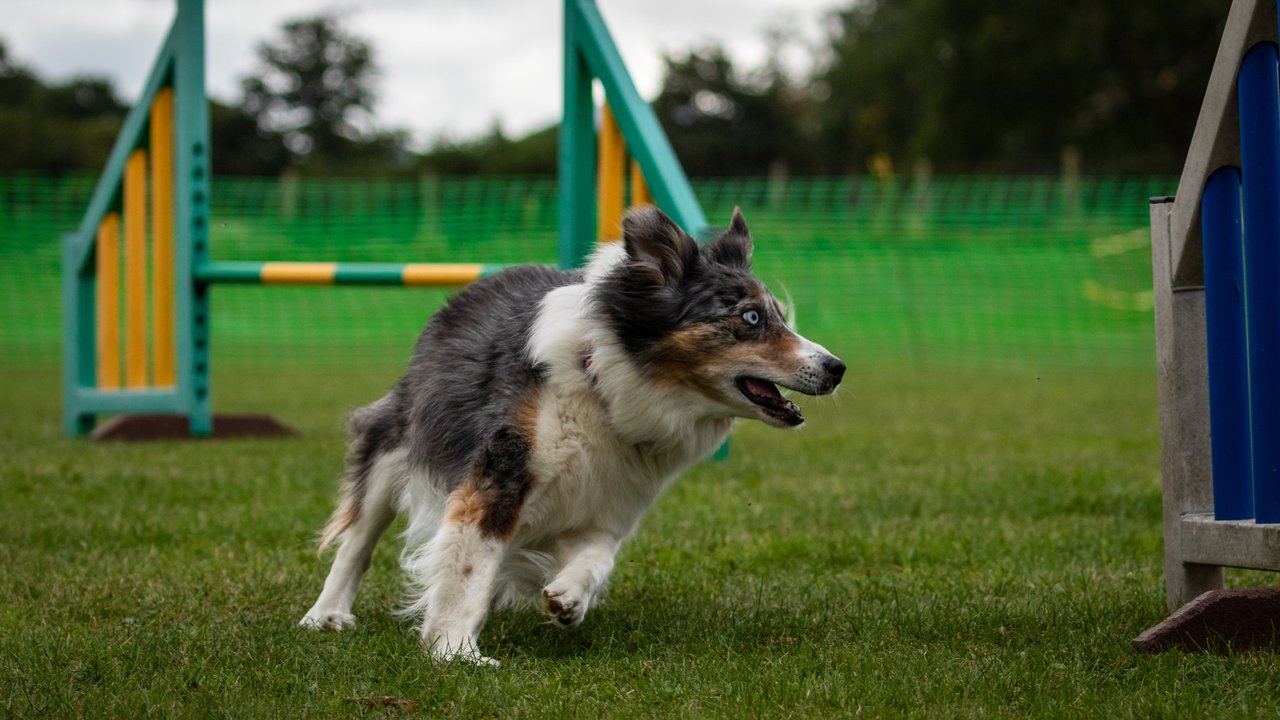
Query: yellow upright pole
{"points": [[135, 270], [107, 302], [640, 194], [163, 347], [609, 175]]}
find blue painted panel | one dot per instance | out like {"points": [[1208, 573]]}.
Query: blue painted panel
{"points": [[1259, 90], [1228, 360]]}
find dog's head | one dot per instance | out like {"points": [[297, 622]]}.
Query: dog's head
{"points": [[696, 317]]}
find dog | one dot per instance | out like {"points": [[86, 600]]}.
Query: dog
{"points": [[544, 411]]}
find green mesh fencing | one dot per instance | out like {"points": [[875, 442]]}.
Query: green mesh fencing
{"points": [[986, 272]]}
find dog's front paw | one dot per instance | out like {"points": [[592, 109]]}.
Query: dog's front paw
{"points": [[564, 604], [464, 650], [328, 620]]}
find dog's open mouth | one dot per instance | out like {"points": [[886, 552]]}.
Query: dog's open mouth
{"points": [[766, 395]]}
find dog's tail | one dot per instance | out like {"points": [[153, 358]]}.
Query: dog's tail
{"points": [[344, 517], [372, 430]]}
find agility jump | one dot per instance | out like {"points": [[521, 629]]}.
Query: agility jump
{"points": [[1216, 256], [152, 356]]}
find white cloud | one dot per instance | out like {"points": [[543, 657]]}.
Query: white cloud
{"points": [[448, 66]]}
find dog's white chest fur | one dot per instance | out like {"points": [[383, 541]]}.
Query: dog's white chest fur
{"points": [[607, 441]]}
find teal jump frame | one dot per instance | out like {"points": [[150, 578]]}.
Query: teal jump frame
{"points": [[179, 66], [169, 125], [590, 54]]}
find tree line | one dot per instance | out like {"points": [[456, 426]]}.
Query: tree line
{"points": [[948, 86]]}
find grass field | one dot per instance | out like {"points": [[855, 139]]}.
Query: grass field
{"points": [[933, 543], [970, 529]]}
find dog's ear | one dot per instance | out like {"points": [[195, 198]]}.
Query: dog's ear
{"points": [[734, 247], [657, 246]]}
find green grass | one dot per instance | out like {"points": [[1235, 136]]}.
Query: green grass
{"points": [[930, 544]]}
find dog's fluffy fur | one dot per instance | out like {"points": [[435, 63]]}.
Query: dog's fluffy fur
{"points": [[544, 411]]}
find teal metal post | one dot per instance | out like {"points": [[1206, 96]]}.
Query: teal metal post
{"points": [[577, 197], [78, 342], [589, 52], [191, 236], [646, 141]]}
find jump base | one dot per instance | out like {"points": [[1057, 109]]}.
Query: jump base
{"points": [[1219, 621], [136, 428]]}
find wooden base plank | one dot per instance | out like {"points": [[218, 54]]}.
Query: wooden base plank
{"points": [[1219, 621], [144, 427]]}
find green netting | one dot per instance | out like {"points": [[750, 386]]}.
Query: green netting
{"points": [[982, 271]]}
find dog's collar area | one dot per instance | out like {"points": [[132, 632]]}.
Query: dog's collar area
{"points": [[587, 354]]}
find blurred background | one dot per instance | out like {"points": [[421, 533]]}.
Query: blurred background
{"points": [[934, 184]]}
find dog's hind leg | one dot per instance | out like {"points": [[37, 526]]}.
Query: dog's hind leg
{"points": [[463, 564], [586, 560], [374, 511], [459, 567]]}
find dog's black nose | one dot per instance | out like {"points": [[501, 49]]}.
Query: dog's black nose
{"points": [[835, 368]]}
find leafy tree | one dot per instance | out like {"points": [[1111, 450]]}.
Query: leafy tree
{"points": [[84, 97], [721, 123], [240, 146], [495, 154], [976, 85], [68, 126], [969, 85], [315, 88], [73, 125], [18, 85]]}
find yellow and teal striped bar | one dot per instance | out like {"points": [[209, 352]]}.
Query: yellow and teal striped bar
{"points": [[338, 273]]}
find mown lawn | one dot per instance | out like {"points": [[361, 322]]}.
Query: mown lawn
{"points": [[932, 543]]}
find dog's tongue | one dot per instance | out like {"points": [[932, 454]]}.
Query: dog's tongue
{"points": [[761, 388]]}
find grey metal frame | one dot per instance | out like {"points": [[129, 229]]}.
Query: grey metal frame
{"points": [[1197, 547]]}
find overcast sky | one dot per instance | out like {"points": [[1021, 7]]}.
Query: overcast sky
{"points": [[449, 67]]}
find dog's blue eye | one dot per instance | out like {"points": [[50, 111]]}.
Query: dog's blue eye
{"points": [[751, 316]]}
